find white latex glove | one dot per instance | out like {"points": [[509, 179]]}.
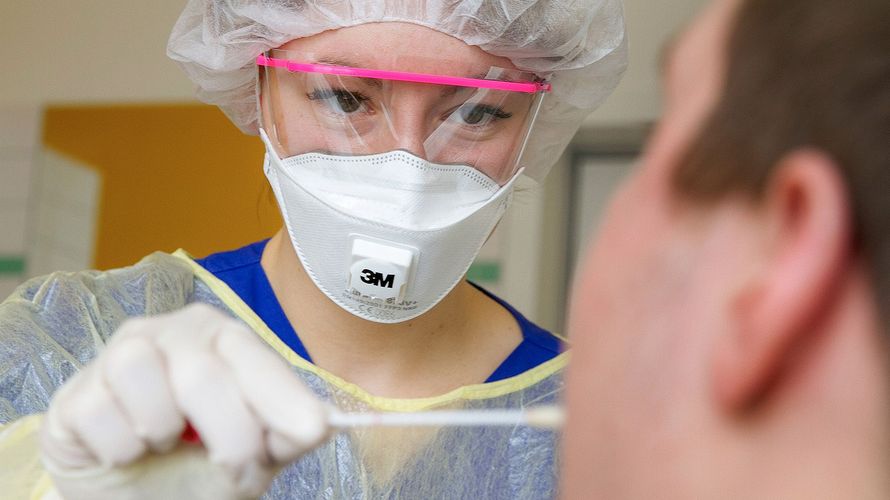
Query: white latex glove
{"points": [[113, 431]]}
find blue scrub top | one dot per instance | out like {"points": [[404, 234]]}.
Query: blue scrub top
{"points": [[241, 270]]}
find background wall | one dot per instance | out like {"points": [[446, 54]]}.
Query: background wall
{"points": [[63, 55], [19, 128], [100, 51], [172, 176]]}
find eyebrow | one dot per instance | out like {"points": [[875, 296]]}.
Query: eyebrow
{"points": [[371, 82], [451, 90]]}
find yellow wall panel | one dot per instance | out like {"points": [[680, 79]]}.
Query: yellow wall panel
{"points": [[172, 176]]}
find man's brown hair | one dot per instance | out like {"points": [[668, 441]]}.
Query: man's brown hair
{"points": [[805, 73]]}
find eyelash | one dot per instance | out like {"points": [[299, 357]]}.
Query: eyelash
{"points": [[496, 113], [325, 94], [485, 115]]}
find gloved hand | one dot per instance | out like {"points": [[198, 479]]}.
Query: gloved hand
{"points": [[113, 430]]}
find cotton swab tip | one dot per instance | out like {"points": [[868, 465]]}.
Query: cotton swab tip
{"points": [[545, 417]]}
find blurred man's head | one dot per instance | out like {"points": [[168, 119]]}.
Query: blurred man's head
{"points": [[731, 320]]}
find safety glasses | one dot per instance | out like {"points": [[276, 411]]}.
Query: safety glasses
{"points": [[402, 76], [443, 111]]}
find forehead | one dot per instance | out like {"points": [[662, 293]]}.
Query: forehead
{"points": [[397, 46]]}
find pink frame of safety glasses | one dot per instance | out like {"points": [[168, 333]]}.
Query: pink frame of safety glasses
{"points": [[401, 76]]}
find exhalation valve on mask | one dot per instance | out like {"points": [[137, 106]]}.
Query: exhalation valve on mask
{"points": [[380, 271]]}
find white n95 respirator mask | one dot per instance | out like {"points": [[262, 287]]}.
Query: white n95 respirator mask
{"points": [[391, 177], [385, 236]]}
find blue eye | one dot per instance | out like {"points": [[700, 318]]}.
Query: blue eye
{"points": [[476, 114], [344, 100]]}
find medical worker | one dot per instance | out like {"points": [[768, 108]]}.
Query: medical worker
{"points": [[395, 133]]}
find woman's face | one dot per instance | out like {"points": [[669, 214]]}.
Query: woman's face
{"points": [[306, 111]]}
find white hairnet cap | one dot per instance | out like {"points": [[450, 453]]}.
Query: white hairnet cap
{"points": [[580, 43]]}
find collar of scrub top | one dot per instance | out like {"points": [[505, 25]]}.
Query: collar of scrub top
{"points": [[402, 76]]}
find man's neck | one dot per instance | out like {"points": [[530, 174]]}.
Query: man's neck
{"points": [[459, 341], [825, 432]]}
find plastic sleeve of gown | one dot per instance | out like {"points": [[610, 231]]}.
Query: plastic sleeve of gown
{"points": [[52, 326]]}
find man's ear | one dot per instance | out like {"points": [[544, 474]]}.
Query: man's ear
{"points": [[806, 212]]}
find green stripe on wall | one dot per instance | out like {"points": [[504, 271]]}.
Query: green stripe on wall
{"points": [[12, 265], [484, 272]]}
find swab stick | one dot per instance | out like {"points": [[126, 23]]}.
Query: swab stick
{"points": [[546, 417]]}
